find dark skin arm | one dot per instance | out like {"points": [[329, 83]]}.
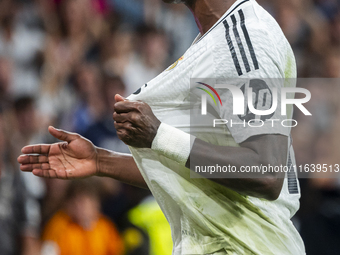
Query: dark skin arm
{"points": [[137, 126], [77, 157], [258, 150]]}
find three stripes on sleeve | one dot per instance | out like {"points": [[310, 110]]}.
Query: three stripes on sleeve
{"points": [[248, 64]]}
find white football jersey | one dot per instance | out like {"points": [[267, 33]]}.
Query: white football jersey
{"points": [[246, 43]]}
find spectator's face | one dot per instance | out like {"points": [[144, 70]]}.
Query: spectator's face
{"points": [[74, 14], [156, 49], [111, 89], [27, 120], [122, 42], [87, 79], [83, 209], [5, 75]]}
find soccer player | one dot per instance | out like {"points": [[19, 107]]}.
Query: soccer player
{"points": [[238, 40]]}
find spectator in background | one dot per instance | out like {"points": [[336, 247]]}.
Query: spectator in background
{"points": [[89, 106], [138, 62], [19, 228], [169, 18], [80, 228], [149, 218], [70, 41], [335, 28], [5, 83], [152, 58], [131, 11], [328, 7], [119, 52], [26, 123], [102, 132], [321, 208], [305, 29], [22, 44], [25, 129], [331, 61], [53, 200]]}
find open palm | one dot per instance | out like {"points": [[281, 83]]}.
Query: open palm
{"points": [[73, 158]]}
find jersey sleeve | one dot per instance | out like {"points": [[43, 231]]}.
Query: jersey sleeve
{"points": [[254, 62]]}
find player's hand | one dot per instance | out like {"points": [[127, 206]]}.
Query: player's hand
{"points": [[135, 122], [74, 158]]}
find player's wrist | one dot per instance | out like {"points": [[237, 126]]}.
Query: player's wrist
{"points": [[103, 161], [173, 143], [97, 158]]}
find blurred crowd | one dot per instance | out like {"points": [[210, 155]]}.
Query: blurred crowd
{"points": [[62, 62]]}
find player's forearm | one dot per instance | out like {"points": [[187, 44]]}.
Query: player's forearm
{"points": [[265, 150], [119, 166], [255, 151]]}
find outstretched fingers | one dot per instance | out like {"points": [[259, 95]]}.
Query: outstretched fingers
{"points": [[31, 167], [36, 149], [30, 162], [32, 159]]}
